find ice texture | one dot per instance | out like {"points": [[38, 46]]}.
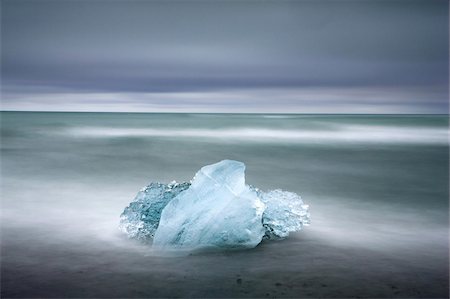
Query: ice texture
{"points": [[216, 210], [141, 218], [285, 212]]}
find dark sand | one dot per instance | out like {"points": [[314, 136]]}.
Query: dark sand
{"points": [[307, 267]]}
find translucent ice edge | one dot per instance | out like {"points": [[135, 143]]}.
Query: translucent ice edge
{"points": [[215, 210]]}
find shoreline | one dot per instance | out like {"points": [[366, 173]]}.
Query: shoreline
{"points": [[300, 266]]}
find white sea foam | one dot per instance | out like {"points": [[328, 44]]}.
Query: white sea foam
{"points": [[340, 134], [277, 116]]}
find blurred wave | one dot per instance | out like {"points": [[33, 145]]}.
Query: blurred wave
{"points": [[342, 133]]}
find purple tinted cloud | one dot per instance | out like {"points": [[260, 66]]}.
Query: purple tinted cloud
{"points": [[174, 47]]}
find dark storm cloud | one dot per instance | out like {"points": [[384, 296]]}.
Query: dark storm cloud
{"points": [[195, 46]]}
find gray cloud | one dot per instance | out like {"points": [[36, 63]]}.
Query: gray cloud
{"points": [[205, 46]]}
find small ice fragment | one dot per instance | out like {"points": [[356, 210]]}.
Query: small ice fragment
{"points": [[284, 213], [141, 218]]}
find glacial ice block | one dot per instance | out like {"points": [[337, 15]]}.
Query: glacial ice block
{"points": [[217, 209]]}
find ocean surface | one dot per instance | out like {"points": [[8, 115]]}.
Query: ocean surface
{"points": [[377, 186]]}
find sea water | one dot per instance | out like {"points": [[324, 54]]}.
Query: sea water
{"points": [[377, 186]]}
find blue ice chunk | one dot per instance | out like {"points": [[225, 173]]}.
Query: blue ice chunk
{"points": [[141, 218], [216, 210], [285, 212]]}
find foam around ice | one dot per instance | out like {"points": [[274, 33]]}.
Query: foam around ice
{"points": [[216, 210]]}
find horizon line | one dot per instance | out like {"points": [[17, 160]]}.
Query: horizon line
{"points": [[243, 113]]}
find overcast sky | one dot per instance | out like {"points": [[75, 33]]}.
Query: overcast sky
{"points": [[230, 56]]}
